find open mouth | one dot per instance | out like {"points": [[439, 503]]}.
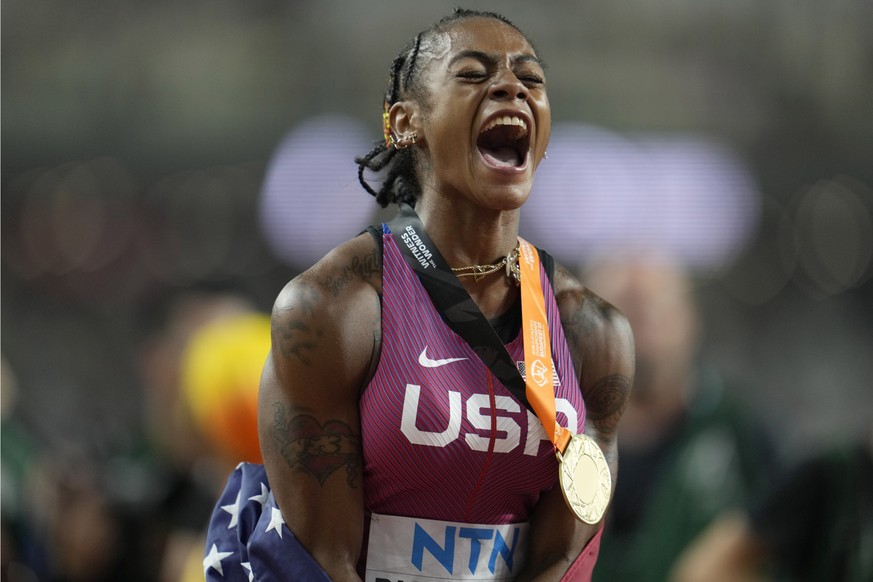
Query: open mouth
{"points": [[504, 142]]}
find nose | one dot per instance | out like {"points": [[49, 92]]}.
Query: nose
{"points": [[507, 86]]}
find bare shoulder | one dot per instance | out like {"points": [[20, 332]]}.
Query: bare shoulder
{"points": [[601, 341], [328, 317], [590, 322]]}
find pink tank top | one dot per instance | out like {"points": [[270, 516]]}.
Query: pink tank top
{"points": [[443, 439]]}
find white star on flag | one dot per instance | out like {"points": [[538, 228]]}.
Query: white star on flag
{"points": [[276, 521], [233, 510], [213, 560], [248, 568], [262, 498]]}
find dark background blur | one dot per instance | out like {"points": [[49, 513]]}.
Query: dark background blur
{"points": [[136, 137]]}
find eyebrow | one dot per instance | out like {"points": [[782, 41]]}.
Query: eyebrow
{"points": [[492, 60]]}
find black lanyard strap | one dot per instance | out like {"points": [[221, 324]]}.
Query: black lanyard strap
{"points": [[459, 310]]}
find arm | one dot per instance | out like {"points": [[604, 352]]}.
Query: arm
{"points": [[601, 342], [325, 332]]}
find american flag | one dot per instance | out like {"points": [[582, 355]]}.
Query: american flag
{"points": [[247, 538]]}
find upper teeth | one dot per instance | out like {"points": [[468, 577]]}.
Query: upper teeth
{"points": [[506, 120]]}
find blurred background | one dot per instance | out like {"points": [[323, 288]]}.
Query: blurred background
{"points": [[168, 166]]}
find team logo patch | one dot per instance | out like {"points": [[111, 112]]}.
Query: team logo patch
{"points": [[537, 373]]}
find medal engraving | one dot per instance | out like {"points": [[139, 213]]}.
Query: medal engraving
{"points": [[585, 478]]}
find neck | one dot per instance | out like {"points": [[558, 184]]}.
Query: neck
{"points": [[507, 266], [492, 297], [469, 235]]}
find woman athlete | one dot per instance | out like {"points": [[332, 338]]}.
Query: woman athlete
{"points": [[394, 445]]}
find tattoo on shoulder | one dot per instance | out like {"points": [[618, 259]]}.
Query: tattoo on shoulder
{"points": [[607, 397], [315, 448], [301, 331], [358, 267]]}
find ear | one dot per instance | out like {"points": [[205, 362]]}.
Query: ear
{"points": [[405, 117]]}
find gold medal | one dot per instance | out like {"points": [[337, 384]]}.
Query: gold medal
{"points": [[585, 478]]}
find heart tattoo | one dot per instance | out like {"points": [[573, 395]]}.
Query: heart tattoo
{"points": [[315, 448]]}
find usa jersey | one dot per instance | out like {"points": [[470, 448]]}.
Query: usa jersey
{"points": [[453, 463], [443, 439]]}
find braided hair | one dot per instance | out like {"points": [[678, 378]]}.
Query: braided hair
{"points": [[401, 184]]}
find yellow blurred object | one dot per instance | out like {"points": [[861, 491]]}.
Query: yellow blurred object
{"points": [[193, 567], [221, 369]]}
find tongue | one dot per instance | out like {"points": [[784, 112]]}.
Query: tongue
{"points": [[504, 157]]}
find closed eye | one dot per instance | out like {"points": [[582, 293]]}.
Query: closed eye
{"points": [[473, 75]]}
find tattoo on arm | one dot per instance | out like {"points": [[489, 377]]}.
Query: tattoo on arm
{"points": [[315, 448], [300, 334], [604, 405], [605, 400], [295, 342], [361, 268]]}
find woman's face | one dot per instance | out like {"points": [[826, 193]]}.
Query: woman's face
{"points": [[485, 121]]}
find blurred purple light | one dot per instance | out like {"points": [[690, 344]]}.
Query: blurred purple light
{"points": [[311, 200], [601, 193]]}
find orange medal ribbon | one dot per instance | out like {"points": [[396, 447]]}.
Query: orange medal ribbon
{"points": [[583, 472], [538, 347]]}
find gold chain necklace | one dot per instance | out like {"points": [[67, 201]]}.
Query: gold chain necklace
{"points": [[510, 261]]}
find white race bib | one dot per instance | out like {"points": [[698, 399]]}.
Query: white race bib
{"points": [[408, 549]]}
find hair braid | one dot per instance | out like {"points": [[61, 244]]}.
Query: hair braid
{"points": [[412, 58], [400, 184]]}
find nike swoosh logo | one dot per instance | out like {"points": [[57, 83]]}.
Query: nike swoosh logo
{"points": [[428, 363]]}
